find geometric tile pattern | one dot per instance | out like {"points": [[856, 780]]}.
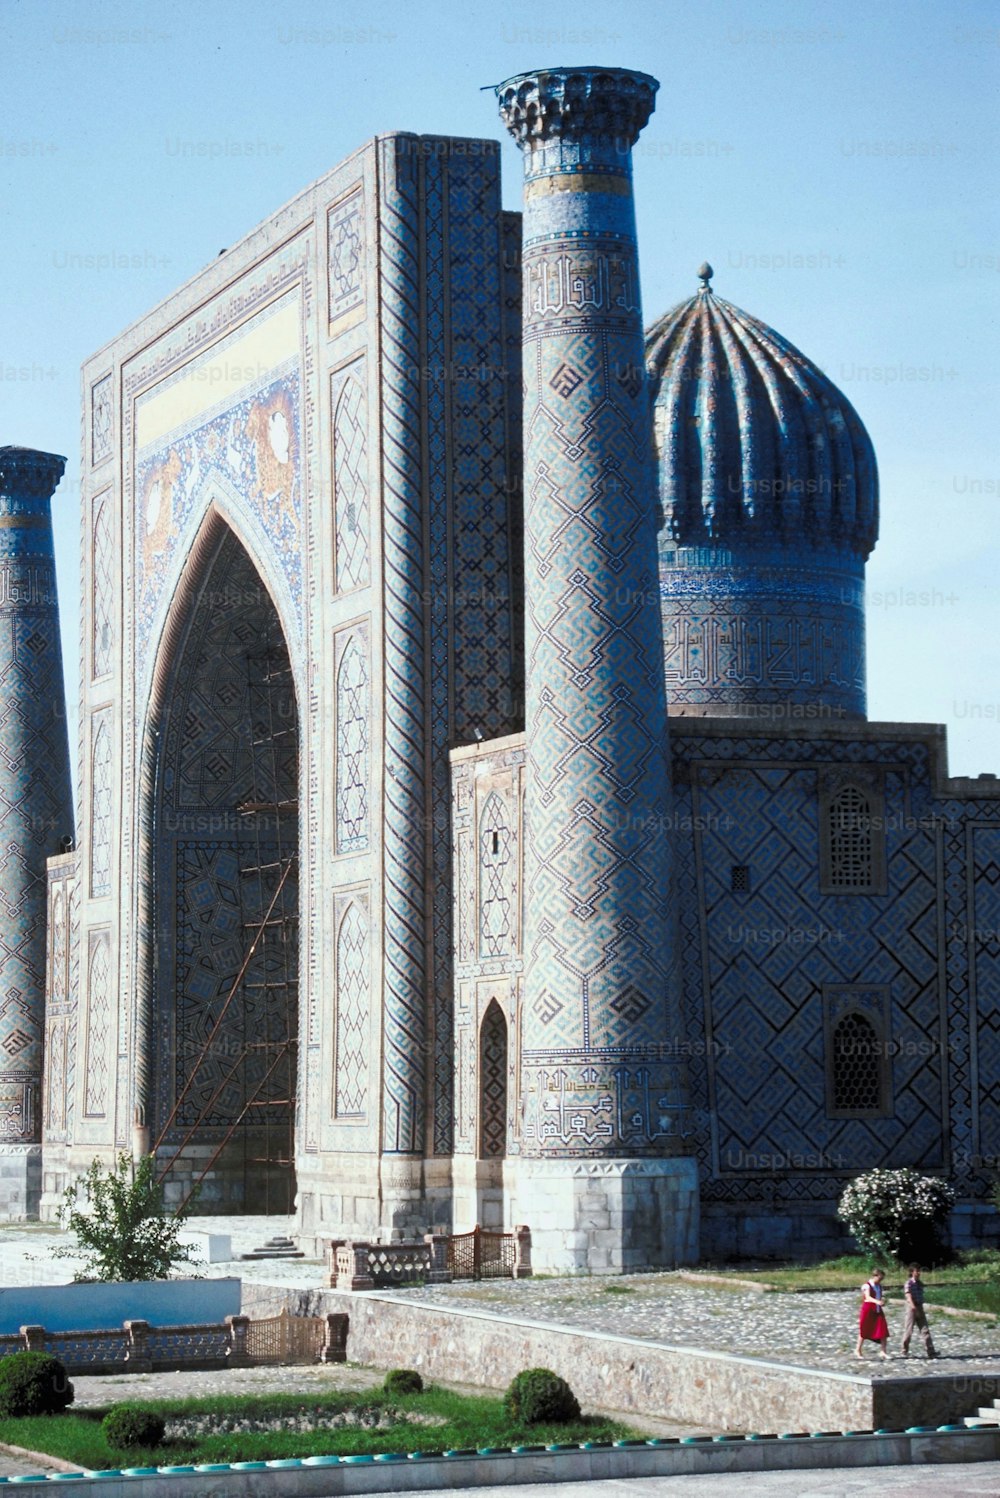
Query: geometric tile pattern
{"points": [[493, 1083], [353, 1011], [353, 735], [98, 1026], [103, 586], [101, 422], [346, 240], [775, 954], [599, 993], [495, 879], [35, 806], [100, 814], [405, 811], [350, 485]]}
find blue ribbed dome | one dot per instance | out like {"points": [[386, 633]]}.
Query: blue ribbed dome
{"points": [[756, 446]]}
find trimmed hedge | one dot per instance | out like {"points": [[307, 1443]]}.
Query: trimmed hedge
{"points": [[537, 1396], [33, 1383], [403, 1381], [128, 1425]]}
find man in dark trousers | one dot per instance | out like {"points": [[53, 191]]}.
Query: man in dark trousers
{"points": [[915, 1316]]}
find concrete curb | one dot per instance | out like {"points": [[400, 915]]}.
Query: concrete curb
{"points": [[390, 1472]]}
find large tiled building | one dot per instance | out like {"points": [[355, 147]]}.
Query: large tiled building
{"points": [[478, 818]]}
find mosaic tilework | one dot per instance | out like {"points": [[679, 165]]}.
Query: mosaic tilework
{"points": [[769, 491], [96, 1066], [101, 421], [350, 481], [57, 1005], [982, 937], [35, 806], [496, 882], [353, 703], [353, 1010], [252, 441], [346, 242], [756, 1033], [405, 789], [772, 629], [103, 589], [101, 757], [597, 946], [443, 636]]}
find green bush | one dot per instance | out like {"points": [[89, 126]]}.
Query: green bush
{"points": [[402, 1381], [537, 1396], [898, 1214], [128, 1425], [33, 1383]]}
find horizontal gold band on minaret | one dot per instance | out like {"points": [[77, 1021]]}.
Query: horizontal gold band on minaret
{"points": [[23, 522], [544, 187]]}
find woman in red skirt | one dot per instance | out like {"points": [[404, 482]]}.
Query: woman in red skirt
{"points": [[872, 1325]]}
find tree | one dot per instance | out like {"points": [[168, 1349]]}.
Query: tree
{"points": [[124, 1230]]}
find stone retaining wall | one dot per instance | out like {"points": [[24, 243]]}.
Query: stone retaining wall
{"points": [[713, 1389]]}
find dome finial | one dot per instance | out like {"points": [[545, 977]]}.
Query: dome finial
{"points": [[705, 274]]}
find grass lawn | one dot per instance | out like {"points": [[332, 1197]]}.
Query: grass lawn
{"points": [[972, 1282], [436, 1420]]}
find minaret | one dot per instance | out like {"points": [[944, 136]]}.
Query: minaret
{"points": [[36, 809], [602, 1179]]}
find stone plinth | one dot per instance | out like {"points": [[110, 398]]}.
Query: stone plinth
{"points": [[598, 1216]]}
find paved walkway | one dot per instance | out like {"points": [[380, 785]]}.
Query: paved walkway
{"points": [[954, 1480]]}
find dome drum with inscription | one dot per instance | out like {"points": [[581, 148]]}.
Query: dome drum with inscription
{"points": [[769, 492]]}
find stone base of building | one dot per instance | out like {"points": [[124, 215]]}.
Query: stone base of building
{"points": [[606, 1216], [20, 1182]]}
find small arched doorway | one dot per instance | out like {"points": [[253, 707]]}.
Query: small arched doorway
{"points": [[492, 1121], [224, 887]]}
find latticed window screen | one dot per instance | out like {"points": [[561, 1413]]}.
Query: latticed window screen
{"points": [[493, 1084], [857, 1066], [739, 878], [849, 824], [495, 869]]}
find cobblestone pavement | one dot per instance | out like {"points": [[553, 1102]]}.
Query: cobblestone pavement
{"points": [[814, 1329]]}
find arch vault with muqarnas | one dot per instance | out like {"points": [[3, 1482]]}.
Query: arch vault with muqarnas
{"points": [[478, 820]]}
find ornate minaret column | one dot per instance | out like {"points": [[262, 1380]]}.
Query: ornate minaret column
{"points": [[602, 1179], [36, 809]]}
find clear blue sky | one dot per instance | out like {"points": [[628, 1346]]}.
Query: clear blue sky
{"points": [[836, 163]]}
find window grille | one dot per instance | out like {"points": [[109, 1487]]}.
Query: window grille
{"points": [[852, 837], [739, 879], [857, 1066]]}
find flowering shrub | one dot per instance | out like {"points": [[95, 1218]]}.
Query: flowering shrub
{"points": [[898, 1214]]}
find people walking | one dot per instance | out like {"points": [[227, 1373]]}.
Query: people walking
{"points": [[915, 1314], [872, 1325]]}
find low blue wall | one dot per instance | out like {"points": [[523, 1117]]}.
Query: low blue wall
{"points": [[82, 1308]]}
